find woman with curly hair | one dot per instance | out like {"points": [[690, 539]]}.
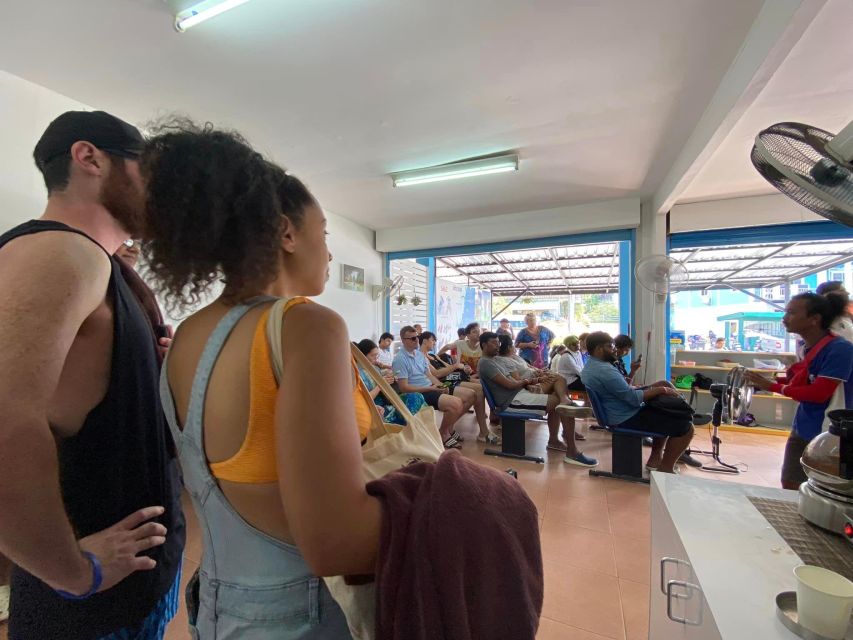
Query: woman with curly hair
{"points": [[219, 212]]}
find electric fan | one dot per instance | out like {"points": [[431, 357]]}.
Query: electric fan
{"points": [[388, 287], [659, 274], [809, 165]]}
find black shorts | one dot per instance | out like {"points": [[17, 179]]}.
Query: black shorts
{"points": [[792, 471], [432, 397], [654, 420], [576, 385]]}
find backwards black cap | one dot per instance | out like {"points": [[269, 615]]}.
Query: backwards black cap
{"points": [[103, 130]]}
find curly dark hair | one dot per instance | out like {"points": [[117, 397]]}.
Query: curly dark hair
{"points": [[215, 210]]}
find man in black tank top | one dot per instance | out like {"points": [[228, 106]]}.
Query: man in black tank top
{"points": [[88, 479]]}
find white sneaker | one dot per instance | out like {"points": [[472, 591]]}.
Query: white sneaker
{"points": [[5, 592]]}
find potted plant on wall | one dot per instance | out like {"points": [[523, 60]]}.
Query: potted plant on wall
{"points": [[416, 301], [402, 299]]}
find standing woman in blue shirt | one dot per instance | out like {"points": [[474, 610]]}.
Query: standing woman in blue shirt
{"points": [[533, 342]]}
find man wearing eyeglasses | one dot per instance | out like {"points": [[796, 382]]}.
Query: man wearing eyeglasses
{"points": [[89, 482], [413, 376]]}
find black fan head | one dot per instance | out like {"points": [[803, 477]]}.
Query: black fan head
{"points": [[793, 158]]}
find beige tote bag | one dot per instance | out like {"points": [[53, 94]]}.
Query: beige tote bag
{"points": [[389, 447]]}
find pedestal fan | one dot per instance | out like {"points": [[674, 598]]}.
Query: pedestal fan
{"points": [[658, 274], [731, 403]]}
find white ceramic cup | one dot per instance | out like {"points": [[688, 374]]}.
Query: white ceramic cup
{"points": [[824, 601]]}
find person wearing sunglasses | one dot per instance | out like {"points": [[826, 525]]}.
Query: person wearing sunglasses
{"points": [[413, 376]]}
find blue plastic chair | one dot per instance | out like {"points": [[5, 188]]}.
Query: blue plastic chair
{"points": [[512, 425], [627, 449]]}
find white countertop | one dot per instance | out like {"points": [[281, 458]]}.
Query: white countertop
{"points": [[740, 560]]}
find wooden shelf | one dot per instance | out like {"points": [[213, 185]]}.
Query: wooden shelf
{"points": [[702, 367], [768, 396], [767, 354]]}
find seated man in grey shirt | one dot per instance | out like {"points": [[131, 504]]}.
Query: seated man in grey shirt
{"points": [[511, 394]]}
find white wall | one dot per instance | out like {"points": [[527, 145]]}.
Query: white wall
{"points": [[352, 244], [597, 216], [25, 111], [731, 213]]}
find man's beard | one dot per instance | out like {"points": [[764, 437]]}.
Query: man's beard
{"points": [[124, 202], [610, 357]]}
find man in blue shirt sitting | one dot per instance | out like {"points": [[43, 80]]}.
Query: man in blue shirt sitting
{"points": [[412, 372], [625, 406]]}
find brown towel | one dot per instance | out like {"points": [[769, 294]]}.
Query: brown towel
{"points": [[459, 556]]}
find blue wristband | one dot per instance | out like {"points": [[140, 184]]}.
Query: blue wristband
{"points": [[97, 579]]}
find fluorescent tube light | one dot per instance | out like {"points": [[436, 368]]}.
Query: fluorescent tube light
{"points": [[456, 170], [202, 11]]}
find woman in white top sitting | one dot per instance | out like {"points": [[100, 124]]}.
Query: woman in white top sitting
{"points": [[556, 353], [571, 364], [467, 350]]}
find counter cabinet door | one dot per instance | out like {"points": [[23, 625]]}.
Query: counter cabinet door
{"points": [[675, 592]]}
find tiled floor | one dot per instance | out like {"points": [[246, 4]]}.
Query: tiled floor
{"points": [[595, 533]]}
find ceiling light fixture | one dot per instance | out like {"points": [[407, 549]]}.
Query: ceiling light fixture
{"points": [[202, 11], [456, 170]]}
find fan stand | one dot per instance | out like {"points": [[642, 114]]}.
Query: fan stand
{"points": [[717, 390]]}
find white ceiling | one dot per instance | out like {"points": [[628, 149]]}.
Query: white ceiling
{"points": [[813, 85], [597, 96]]}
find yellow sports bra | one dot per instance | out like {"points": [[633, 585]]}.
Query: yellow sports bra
{"points": [[255, 463]]}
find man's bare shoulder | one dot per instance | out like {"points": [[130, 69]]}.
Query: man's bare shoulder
{"points": [[54, 262]]}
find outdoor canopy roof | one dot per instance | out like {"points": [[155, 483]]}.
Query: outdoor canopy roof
{"points": [[761, 265], [588, 268], [594, 268]]}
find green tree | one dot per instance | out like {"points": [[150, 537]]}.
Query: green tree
{"points": [[600, 308]]}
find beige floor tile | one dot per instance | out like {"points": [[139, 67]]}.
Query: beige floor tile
{"points": [[569, 546], [632, 558], [635, 609], [585, 599], [579, 512], [553, 630]]}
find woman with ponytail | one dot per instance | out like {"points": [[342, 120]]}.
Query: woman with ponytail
{"points": [[821, 381], [219, 214], [275, 471]]}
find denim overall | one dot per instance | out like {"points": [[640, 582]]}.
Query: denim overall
{"points": [[250, 585]]}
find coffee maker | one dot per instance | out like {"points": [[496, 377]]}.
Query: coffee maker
{"points": [[826, 498]]}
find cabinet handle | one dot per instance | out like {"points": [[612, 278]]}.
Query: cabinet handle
{"points": [[663, 562], [689, 588]]}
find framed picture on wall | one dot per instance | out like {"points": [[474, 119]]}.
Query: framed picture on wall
{"points": [[352, 278]]}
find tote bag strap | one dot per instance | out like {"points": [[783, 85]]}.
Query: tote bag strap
{"points": [[275, 322], [382, 383]]}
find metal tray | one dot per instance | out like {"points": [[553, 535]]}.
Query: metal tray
{"points": [[786, 610]]}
